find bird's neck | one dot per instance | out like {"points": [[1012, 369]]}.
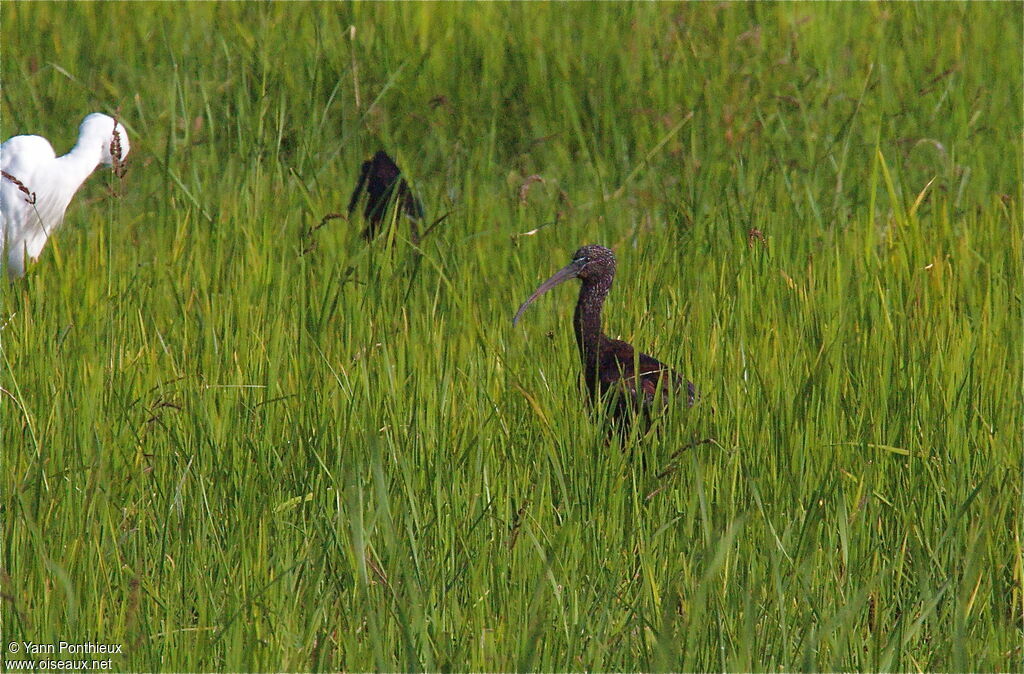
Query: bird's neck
{"points": [[80, 162], [587, 324]]}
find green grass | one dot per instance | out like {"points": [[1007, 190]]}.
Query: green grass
{"points": [[226, 453]]}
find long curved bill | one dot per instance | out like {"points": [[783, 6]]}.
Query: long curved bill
{"points": [[561, 276]]}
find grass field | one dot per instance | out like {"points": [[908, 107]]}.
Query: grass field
{"points": [[231, 442]]}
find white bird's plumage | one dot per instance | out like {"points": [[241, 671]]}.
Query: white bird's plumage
{"points": [[30, 219]]}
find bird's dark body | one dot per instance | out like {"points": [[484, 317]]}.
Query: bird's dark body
{"points": [[382, 180], [636, 379], [627, 381]]}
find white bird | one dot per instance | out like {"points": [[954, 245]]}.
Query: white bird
{"points": [[36, 185]]}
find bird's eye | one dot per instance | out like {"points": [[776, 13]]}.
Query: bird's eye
{"points": [[582, 259]]}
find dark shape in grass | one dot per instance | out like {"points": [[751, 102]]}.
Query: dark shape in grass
{"points": [[382, 179], [630, 383]]}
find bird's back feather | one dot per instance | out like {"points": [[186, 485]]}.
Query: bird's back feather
{"points": [[26, 160], [637, 378]]}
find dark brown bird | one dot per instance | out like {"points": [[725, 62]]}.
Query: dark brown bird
{"points": [[631, 382], [382, 180]]}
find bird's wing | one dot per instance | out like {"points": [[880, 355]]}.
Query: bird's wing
{"points": [[381, 182], [364, 170], [20, 153], [412, 205], [639, 376], [23, 159], [24, 189], [384, 171]]}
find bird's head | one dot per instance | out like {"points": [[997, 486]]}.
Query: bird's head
{"points": [[589, 264], [99, 129], [593, 262]]}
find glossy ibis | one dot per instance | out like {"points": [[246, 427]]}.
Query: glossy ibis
{"points": [[36, 185], [382, 180], [630, 382]]}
